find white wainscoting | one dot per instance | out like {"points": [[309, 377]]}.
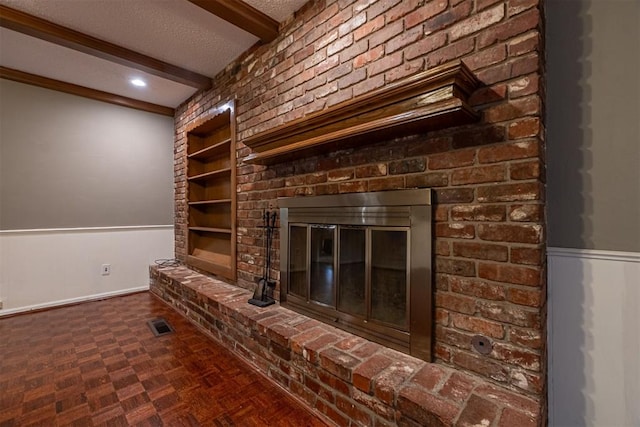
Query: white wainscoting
{"points": [[594, 338], [45, 268]]}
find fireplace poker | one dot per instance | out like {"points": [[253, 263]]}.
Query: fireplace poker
{"points": [[271, 284]]}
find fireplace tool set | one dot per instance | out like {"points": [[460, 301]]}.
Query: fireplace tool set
{"points": [[263, 295]]}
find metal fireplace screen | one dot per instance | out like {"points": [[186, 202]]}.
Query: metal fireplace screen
{"points": [[361, 262]]}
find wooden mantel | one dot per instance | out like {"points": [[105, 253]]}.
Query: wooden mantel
{"points": [[431, 100]]}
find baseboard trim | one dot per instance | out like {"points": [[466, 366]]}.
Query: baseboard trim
{"points": [[594, 254], [71, 301]]}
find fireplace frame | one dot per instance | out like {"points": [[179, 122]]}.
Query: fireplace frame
{"points": [[400, 209]]}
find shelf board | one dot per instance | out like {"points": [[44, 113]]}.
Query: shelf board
{"points": [[211, 230], [212, 257], [211, 174], [210, 202], [213, 263], [448, 112], [431, 100], [212, 150]]}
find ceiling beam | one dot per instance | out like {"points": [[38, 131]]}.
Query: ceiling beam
{"points": [[243, 16], [34, 80], [31, 25]]}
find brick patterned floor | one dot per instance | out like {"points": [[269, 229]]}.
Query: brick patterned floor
{"points": [[99, 364]]}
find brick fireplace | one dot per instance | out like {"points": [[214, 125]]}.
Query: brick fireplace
{"points": [[487, 177]]}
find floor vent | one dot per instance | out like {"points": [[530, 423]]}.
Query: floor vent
{"points": [[159, 327]]}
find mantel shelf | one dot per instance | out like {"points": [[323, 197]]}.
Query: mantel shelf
{"points": [[431, 100]]}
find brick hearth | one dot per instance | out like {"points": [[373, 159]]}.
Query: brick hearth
{"points": [[350, 380]]}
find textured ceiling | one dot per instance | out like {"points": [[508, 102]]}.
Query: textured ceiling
{"points": [[277, 9], [71, 66], [177, 32], [174, 31]]}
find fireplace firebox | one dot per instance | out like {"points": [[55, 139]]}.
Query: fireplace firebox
{"points": [[361, 262]]}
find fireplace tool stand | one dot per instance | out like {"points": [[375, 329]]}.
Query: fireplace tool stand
{"points": [[263, 295]]}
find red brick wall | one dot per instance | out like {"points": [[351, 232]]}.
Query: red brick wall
{"points": [[488, 177]]}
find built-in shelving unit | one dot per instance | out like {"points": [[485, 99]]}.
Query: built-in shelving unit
{"points": [[211, 176]]}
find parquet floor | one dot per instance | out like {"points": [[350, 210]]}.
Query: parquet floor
{"points": [[98, 364]]}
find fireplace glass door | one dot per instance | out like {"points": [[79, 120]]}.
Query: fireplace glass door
{"points": [[322, 262], [352, 271], [361, 262], [298, 261], [358, 271], [389, 277]]}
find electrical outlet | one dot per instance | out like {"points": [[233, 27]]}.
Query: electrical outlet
{"points": [[106, 269]]}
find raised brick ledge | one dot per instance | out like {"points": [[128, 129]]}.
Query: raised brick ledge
{"points": [[350, 380]]}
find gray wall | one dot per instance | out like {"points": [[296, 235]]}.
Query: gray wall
{"points": [[67, 161], [593, 130]]}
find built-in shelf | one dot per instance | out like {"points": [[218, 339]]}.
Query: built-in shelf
{"points": [[216, 264], [211, 229], [211, 194], [210, 174], [210, 202], [221, 148], [431, 100]]}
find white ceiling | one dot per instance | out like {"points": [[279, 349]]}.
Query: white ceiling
{"points": [[174, 31]]}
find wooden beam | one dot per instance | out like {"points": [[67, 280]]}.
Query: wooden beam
{"points": [[33, 26], [32, 79], [243, 16]]}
